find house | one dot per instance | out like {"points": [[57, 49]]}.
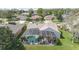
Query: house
{"points": [[35, 17], [15, 28], [34, 13], [47, 32], [22, 16], [49, 17]]}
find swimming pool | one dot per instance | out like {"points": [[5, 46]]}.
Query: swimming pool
{"points": [[32, 39]]}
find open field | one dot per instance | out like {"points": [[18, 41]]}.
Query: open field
{"points": [[66, 44]]}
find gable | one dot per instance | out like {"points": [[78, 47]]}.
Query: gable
{"points": [[49, 29]]}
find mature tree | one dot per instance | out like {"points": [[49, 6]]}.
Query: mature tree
{"points": [[50, 12], [31, 12], [8, 41], [40, 11], [58, 13], [28, 19], [7, 13], [45, 12]]}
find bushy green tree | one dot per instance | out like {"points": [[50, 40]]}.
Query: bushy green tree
{"points": [[40, 11], [58, 13], [8, 41], [28, 19]]}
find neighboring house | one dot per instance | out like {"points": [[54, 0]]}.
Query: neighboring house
{"points": [[15, 28], [49, 17], [35, 17], [22, 16], [48, 31], [34, 13]]}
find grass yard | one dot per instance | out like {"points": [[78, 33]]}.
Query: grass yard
{"points": [[56, 21], [66, 44]]}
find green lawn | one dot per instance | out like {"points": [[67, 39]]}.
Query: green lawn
{"points": [[66, 44], [56, 21]]}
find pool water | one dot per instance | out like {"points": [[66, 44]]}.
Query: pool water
{"points": [[32, 39]]}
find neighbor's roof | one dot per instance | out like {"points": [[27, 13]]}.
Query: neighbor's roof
{"points": [[35, 17], [21, 17], [15, 28]]}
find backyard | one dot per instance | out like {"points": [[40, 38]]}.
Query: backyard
{"points": [[66, 44]]}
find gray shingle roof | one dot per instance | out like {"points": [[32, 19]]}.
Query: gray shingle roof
{"points": [[15, 28]]}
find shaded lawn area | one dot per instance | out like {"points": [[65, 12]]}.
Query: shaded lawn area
{"points": [[56, 21], [66, 44]]}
